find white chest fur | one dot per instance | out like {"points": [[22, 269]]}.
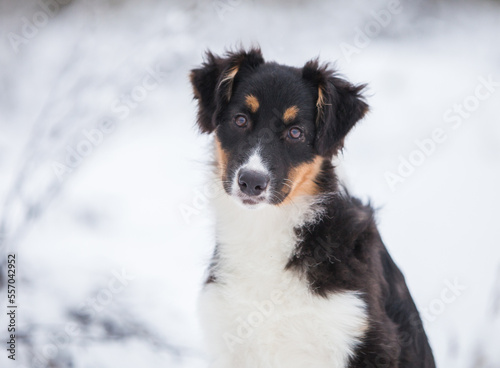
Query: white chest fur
{"points": [[259, 315]]}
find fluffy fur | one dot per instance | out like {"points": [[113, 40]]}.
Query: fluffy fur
{"points": [[257, 313], [300, 276]]}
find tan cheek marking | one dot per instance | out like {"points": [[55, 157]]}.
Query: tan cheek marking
{"points": [[302, 178], [252, 103], [290, 114], [221, 157]]}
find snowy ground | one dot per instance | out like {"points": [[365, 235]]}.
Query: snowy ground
{"points": [[109, 268]]}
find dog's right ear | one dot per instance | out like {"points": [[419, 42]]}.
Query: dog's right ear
{"points": [[339, 105], [214, 82]]}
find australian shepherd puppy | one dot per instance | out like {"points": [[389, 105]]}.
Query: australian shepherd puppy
{"points": [[300, 277]]}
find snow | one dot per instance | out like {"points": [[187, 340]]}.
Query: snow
{"points": [[118, 211]]}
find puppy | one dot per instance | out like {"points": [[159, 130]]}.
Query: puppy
{"points": [[300, 276]]}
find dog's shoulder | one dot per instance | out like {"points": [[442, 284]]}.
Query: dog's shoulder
{"points": [[343, 243]]}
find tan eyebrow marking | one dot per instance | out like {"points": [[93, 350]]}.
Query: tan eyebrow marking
{"points": [[252, 103], [290, 114]]}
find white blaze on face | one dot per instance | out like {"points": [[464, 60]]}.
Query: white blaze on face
{"points": [[253, 163]]}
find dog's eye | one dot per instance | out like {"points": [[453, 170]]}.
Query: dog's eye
{"points": [[241, 121], [295, 133]]}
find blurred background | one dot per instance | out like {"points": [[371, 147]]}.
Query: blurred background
{"points": [[102, 170]]}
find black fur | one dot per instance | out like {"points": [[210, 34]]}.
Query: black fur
{"points": [[325, 125], [343, 102], [343, 250], [212, 95], [343, 106]]}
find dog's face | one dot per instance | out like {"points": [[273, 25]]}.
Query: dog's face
{"points": [[265, 136], [274, 125]]}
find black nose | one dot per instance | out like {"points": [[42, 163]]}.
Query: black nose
{"points": [[252, 183]]}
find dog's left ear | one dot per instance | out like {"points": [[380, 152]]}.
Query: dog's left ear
{"points": [[339, 105], [214, 83]]}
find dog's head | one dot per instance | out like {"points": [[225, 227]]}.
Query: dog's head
{"points": [[274, 124]]}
